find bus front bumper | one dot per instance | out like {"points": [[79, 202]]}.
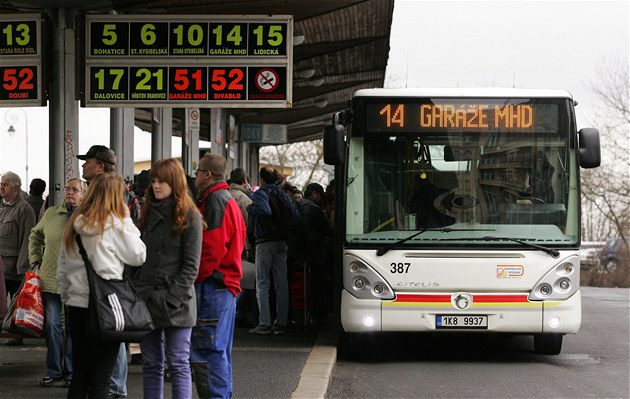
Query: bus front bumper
{"points": [[525, 317]]}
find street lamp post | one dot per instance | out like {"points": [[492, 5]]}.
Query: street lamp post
{"points": [[11, 117]]}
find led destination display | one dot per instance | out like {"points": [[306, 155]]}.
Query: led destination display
{"points": [[500, 115], [19, 83]]}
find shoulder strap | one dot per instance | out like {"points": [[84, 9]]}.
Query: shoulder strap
{"points": [[83, 253]]}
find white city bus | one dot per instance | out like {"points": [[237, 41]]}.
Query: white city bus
{"points": [[459, 210]]}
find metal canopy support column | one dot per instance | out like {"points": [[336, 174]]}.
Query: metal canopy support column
{"points": [[161, 133], [121, 125], [64, 110]]}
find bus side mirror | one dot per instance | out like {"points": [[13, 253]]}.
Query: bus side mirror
{"points": [[590, 153], [334, 142]]}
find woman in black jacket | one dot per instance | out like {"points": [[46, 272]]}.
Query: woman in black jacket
{"points": [[171, 228]]}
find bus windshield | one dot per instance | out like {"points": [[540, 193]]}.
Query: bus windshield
{"points": [[482, 167]]}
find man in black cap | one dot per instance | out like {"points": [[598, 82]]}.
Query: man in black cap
{"points": [[100, 159]]}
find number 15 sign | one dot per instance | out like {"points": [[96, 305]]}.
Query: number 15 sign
{"points": [[188, 61]]}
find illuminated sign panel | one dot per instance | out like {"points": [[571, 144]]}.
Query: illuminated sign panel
{"points": [[501, 115], [188, 61], [21, 60], [174, 85]]}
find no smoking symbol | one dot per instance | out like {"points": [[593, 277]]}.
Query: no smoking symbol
{"points": [[266, 80], [194, 115]]}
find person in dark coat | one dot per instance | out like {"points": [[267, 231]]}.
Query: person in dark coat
{"points": [[35, 196], [171, 229], [319, 236]]}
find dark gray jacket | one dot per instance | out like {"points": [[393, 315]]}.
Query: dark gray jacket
{"points": [[166, 280], [16, 221]]}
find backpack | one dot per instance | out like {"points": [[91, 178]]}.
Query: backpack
{"points": [[282, 215]]}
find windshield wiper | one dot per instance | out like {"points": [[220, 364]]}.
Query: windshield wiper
{"points": [[393, 245], [553, 252]]}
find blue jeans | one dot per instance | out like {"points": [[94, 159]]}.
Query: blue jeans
{"points": [[59, 348], [118, 380], [271, 260], [174, 344], [211, 340]]}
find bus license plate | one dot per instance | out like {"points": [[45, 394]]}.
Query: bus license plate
{"points": [[452, 321]]}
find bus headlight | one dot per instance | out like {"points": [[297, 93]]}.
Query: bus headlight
{"points": [[369, 320], [559, 283], [564, 284], [545, 289], [359, 283], [378, 288], [363, 282], [554, 322]]}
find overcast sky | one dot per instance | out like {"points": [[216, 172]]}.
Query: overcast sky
{"points": [[529, 44]]}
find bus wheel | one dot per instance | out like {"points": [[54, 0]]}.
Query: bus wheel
{"points": [[548, 344], [352, 346]]}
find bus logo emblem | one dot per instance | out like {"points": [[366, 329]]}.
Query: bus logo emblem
{"points": [[462, 301]]}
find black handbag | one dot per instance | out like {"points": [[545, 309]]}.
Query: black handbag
{"points": [[115, 311]]}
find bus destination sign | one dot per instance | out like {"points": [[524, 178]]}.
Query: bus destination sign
{"points": [[180, 61], [20, 60], [501, 115]]}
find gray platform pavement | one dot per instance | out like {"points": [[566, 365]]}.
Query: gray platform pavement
{"points": [[296, 365]]}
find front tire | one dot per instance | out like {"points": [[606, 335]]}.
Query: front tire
{"points": [[548, 344], [353, 346]]}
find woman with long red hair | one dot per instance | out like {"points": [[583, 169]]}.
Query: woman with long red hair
{"points": [[171, 228]]}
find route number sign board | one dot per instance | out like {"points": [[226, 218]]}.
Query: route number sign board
{"points": [[188, 61], [21, 60]]}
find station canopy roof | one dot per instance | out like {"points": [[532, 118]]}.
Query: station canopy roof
{"points": [[345, 48]]}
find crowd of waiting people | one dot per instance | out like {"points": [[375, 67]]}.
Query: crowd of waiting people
{"points": [[181, 241]]}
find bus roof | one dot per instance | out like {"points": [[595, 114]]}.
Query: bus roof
{"points": [[481, 92]]}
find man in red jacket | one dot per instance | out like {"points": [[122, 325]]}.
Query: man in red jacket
{"points": [[218, 281]]}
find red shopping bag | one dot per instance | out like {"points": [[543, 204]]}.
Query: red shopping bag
{"points": [[29, 307]]}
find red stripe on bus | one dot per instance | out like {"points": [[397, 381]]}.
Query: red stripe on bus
{"points": [[500, 298], [422, 298], [447, 298]]}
